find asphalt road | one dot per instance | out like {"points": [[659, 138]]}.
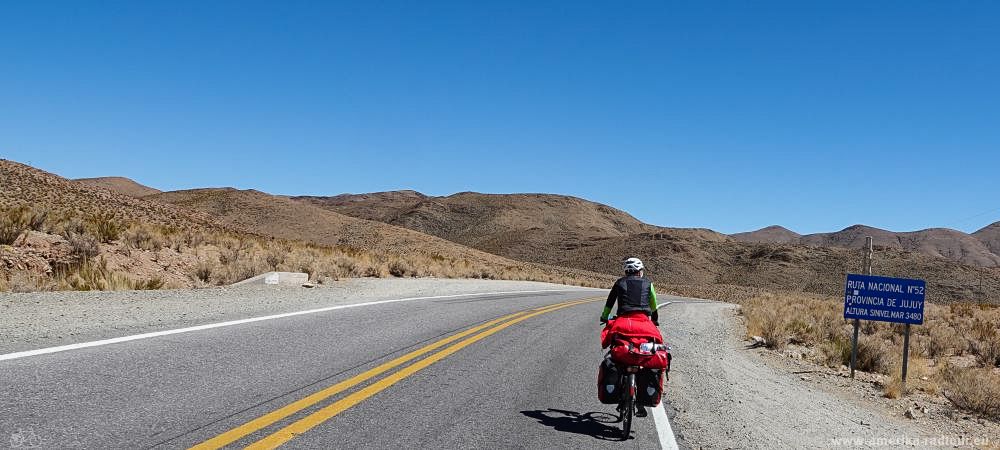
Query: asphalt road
{"points": [[528, 383]]}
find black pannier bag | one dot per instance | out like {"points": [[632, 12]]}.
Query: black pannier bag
{"points": [[648, 387], [609, 382]]}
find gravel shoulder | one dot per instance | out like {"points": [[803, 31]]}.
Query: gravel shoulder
{"points": [[36, 320], [723, 395]]}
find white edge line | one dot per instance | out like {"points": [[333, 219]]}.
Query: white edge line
{"points": [[134, 337], [663, 430]]}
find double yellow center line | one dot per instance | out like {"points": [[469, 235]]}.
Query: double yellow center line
{"points": [[300, 426]]}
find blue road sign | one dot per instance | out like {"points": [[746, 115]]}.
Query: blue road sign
{"points": [[898, 300]]}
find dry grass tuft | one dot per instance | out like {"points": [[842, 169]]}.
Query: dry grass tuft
{"points": [[875, 355], [204, 270], [954, 330], [97, 276], [82, 247], [12, 223], [144, 237], [973, 389], [106, 228]]}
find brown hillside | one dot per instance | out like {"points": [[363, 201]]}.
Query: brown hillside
{"points": [[60, 234], [121, 185], [570, 232], [937, 242], [286, 218], [773, 234], [520, 226], [380, 206], [990, 237], [290, 219], [24, 185], [676, 258]]}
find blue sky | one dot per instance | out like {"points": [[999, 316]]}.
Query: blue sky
{"points": [[726, 115]]}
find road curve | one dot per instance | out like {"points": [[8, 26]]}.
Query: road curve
{"points": [[527, 381]]}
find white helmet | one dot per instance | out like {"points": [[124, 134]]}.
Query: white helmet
{"points": [[633, 265]]}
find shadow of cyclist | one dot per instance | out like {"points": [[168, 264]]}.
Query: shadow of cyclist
{"points": [[593, 424]]}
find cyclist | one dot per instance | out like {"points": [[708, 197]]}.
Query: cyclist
{"points": [[634, 294], [636, 300]]}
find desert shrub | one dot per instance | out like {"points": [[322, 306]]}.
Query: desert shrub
{"points": [[193, 239], [72, 225], [400, 268], [766, 322], [874, 355], [275, 257], [96, 276], [4, 285], [13, 222], [375, 271], [346, 267], [105, 227], [29, 282], [245, 267], [144, 238], [82, 247], [836, 352], [869, 327], [973, 389], [37, 219], [231, 251], [987, 351], [203, 270], [151, 284], [942, 340]]}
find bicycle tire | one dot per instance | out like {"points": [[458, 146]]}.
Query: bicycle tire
{"points": [[629, 407]]}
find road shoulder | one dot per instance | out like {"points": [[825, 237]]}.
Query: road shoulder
{"points": [[35, 320], [723, 395]]}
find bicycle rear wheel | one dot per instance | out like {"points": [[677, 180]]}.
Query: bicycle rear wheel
{"points": [[629, 404]]}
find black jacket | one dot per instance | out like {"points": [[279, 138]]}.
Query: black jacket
{"points": [[632, 293]]}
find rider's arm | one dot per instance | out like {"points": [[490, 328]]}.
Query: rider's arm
{"points": [[612, 296], [652, 304]]}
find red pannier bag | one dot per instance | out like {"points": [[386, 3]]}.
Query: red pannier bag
{"points": [[631, 325], [629, 352]]}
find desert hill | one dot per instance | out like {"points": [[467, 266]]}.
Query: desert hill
{"points": [[121, 185], [290, 219], [519, 226], [27, 186], [569, 232], [677, 258], [990, 237], [774, 234], [236, 233], [62, 234], [936, 242], [287, 218], [381, 206]]}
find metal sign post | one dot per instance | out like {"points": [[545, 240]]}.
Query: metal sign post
{"points": [[906, 357], [896, 300], [866, 266]]}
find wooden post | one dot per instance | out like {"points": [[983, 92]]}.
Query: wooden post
{"points": [[869, 253], [866, 264], [906, 358]]}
